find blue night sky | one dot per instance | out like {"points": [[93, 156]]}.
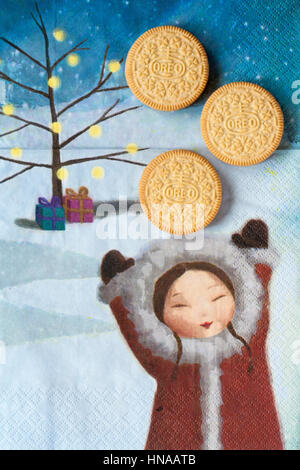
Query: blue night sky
{"points": [[244, 41]]}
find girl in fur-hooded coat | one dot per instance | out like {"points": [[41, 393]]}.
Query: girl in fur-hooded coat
{"points": [[198, 321]]}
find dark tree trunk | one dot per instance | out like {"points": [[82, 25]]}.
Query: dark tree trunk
{"points": [[56, 163], [56, 183]]}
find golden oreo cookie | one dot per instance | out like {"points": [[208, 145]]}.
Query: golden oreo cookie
{"points": [[242, 123], [180, 192], [167, 68]]}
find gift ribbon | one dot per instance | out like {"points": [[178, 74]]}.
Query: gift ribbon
{"points": [[55, 202], [81, 195], [82, 192]]}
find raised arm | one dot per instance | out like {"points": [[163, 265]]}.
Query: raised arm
{"points": [[255, 235], [258, 341], [143, 355], [112, 264]]}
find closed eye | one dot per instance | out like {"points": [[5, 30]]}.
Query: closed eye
{"points": [[179, 305], [219, 297]]}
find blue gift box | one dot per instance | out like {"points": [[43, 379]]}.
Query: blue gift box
{"points": [[50, 215]]}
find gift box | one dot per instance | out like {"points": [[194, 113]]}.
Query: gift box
{"points": [[50, 215], [78, 206]]}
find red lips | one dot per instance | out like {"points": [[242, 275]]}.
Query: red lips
{"points": [[206, 324]]}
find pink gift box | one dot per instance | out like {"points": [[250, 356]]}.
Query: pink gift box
{"points": [[74, 217], [75, 203], [78, 206]]}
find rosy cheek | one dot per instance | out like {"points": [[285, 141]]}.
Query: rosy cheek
{"points": [[225, 311], [172, 318], [229, 312], [177, 320]]}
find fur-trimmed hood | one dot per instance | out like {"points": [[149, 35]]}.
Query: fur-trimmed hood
{"points": [[136, 285]]}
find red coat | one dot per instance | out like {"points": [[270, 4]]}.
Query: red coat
{"points": [[248, 413]]}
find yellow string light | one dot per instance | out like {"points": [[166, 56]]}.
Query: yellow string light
{"points": [[73, 60], [16, 152], [132, 147], [59, 34], [97, 172], [8, 109], [56, 127], [95, 131], [62, 173], [114, 66], [54, 82]]}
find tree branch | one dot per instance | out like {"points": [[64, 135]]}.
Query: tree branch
{"points": [[15, 130], [109, 156], [112, 89], [103, 66], [21, 162], [32, 123], [23, 52], [40, 16], [33, 90], [73, 103], [102, 117], [41, 26], [16, 174], [109, 75], [75, 48], [90, 93], [95, 89], [126, 161], [120, 112], [36, 22]]}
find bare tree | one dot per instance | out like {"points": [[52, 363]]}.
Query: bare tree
{"points": [[49, 95]]}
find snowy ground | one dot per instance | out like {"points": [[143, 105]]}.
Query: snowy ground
{"points": [[79, 392], [69, 377]]}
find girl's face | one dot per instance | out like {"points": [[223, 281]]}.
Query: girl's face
{"points": [[198, 305]]}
